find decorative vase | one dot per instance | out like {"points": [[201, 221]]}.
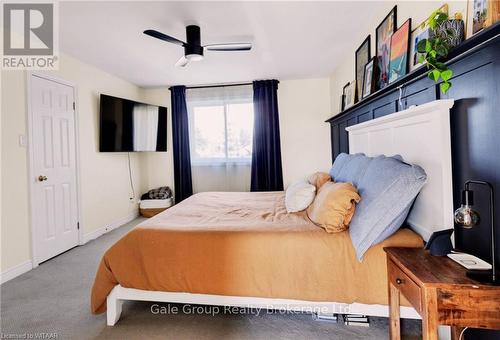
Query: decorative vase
{"points": [[452, 31]]}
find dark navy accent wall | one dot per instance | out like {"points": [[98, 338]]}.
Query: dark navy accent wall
{"points": [[475, 129]]}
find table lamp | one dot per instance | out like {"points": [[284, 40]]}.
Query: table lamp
{"points": [[468, 218]]}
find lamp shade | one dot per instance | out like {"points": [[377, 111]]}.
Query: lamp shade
{"points": [[465, 216]]}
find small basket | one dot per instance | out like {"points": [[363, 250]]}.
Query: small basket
{"points": [[150, 208]]}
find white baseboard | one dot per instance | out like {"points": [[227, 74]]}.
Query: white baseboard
{"points": [[15, 271], [26, 266], [107, 228]]}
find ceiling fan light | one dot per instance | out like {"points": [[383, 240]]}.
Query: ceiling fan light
{"points": [[194, 57]]}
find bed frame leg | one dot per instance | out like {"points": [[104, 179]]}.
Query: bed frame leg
{"points": [[114, 307]]}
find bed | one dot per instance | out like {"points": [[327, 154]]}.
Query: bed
{"points": [[243, 249]]}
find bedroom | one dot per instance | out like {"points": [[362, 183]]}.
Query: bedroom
{"points": [[231, 133]]}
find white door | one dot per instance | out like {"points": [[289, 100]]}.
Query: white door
{"points": [[55, 207]]}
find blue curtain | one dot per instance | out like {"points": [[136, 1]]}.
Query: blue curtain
{"points": [[180, 136], [267, 174]]}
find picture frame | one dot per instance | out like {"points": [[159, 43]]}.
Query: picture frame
{"points": [[418, 34], [422, 31], [481, 14], [369, 77], [400, 43], [362, 56], [349, 92], [383, 34]]}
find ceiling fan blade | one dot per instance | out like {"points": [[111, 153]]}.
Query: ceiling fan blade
{"points": [[182, 62], [164, 37], [229, 47]]}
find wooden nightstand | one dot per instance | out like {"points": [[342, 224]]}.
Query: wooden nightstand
{"points": [[440, 292]]}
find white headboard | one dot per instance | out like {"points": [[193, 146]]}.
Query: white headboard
{"points": [[421, 135]]}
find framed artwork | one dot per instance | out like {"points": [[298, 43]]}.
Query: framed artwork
{"points": [[369, 78], [400, 42], [341, 103], [417, 35], [421, 32], [349, 93], [493, 12], [383, 35], [481, 14], [362, 57]]}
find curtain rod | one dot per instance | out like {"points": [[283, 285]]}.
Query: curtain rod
{"points": [[222, 85]]}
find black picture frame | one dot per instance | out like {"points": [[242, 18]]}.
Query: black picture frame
{"points": [[369, 78], [362, 56], [383, 61], [348, 94]]}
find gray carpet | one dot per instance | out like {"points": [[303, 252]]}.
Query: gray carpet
{"points": [[54, 298]]}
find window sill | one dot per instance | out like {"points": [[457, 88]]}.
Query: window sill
{"points": [[221, 164]]}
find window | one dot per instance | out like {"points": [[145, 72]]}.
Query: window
{"points": [[221, 125]]}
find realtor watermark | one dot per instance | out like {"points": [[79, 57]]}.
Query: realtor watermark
{"points": [[39, 335], [30, 35], [188, 309]]}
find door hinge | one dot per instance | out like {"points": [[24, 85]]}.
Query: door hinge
{"points": [[78, 225], [74, 106]]}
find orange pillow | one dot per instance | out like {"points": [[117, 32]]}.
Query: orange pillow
{"points": [[318, 179], [334, 206]]}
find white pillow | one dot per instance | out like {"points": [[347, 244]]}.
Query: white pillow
{"points": [[299, 196]]}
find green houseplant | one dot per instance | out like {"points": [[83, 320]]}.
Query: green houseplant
{"points": [[434, 49]]}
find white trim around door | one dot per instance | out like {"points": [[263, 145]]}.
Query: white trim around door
{"points": [[31, 158]]}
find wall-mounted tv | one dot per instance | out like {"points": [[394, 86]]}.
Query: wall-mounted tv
{"points": [[128, 126]]}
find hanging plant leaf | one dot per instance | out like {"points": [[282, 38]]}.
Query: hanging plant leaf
{"points": [[434, 75], [423, 46], [446, 75], [442, 50], [445, 86], [441, 66]]}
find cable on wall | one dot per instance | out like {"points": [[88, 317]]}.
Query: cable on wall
{"points": [[462, 333], [130, 177]]}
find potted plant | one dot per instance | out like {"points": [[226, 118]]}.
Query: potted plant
{"points": [[447, 35]]}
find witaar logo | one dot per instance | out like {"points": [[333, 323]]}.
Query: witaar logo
{"points": [[28, 29]]}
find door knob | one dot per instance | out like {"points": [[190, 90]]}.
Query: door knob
{"points": [[42, 178]]}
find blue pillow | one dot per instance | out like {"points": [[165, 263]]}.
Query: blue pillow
{"points": [[339, 163], [387, 189], [350, 168]]}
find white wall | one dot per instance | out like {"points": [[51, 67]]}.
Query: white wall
{"points": [[304, 104], [104, 178], [305, 138], [159, 166], [417, 10]]}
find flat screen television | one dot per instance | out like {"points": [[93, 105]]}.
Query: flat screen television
{"points": [[129, 126]]}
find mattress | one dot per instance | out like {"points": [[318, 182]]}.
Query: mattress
{"points": [[244, 244], [156, 203]]}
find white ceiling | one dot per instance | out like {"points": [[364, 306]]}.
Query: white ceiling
{"points": [[290, 39]]}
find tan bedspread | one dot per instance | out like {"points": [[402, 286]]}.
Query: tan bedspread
{"points": [[244, 244]]}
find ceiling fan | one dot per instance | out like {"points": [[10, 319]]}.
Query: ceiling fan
{"points": [[193, 50]]}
